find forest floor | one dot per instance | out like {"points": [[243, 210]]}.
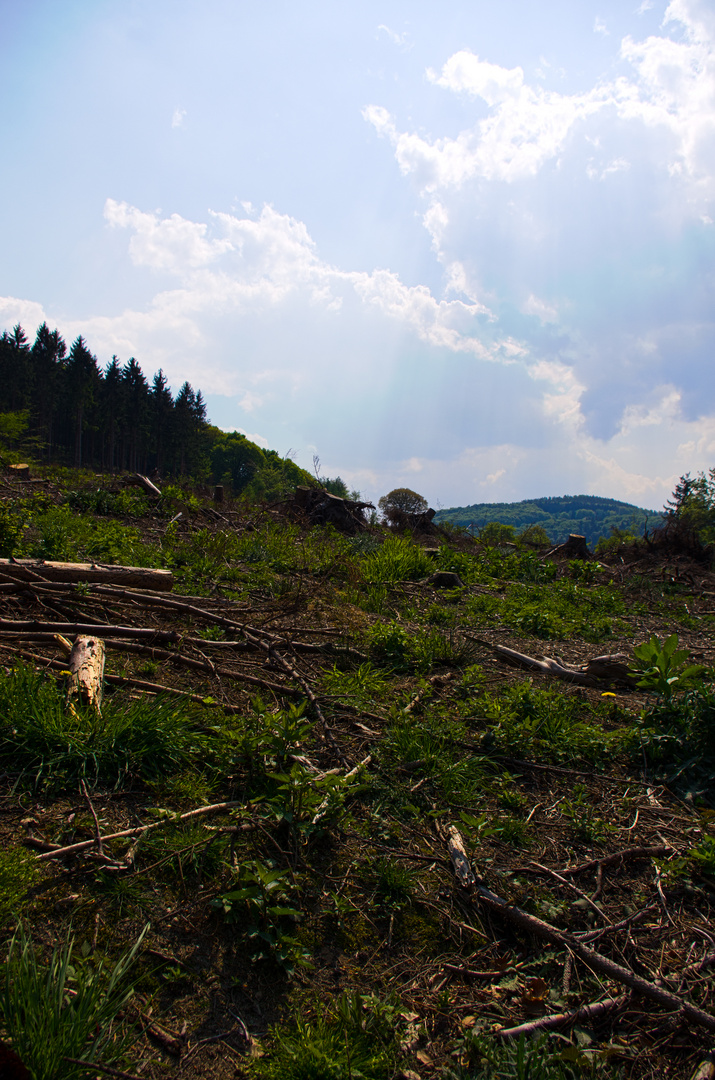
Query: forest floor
{"points": [[331, 719]]}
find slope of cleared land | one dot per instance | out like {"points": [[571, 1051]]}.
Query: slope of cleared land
{"points": [[286, 741]]}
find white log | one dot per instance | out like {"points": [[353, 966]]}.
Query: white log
{"points": [[138, 577], [86, 666]]}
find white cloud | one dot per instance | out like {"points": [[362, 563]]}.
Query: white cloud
{"points": [[177, 118], [465, 72], [528, 126], [172, 244], [403, 39], [599, 27], [673, 90], [546, 313]]}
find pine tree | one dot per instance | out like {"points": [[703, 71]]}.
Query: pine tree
{"points": [[48, 357], [83, 378]]}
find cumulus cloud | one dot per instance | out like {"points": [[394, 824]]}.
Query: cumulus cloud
{"points": [[177, 118], [671, 87]]}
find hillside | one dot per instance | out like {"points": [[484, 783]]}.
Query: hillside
{"points": [[286, 740], [588, 515]]}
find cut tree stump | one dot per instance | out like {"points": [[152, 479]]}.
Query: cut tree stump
{"points": [[86, 666], [573, 548], [133, 577], [322, 508]]}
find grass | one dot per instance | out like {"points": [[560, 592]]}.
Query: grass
{"points": [[64, 1008], [18, 873], [357, 1040], [51, 747]]}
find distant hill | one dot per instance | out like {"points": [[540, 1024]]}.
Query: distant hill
{"points": [[589, 515]]}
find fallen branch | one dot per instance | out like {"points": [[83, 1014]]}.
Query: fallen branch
{"points": [[18, 626], [568, 941], [83, 845], [599, 669], [585, 1013]]}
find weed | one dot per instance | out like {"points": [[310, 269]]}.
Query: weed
{"points": [[662, 669], [397, 560], [262, 907], [66, 1008], [677, 739], [549, 725], [40, 738], [365, 684], [392, 884], [357, 1040], [437, 615], [588, 827], [482, 1058], [389, 642], [513, 831]]}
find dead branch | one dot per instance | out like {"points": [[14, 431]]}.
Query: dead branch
{"points": [[532, 925], [581, 1015], [19, 626], [172, 819], [600, 668]]}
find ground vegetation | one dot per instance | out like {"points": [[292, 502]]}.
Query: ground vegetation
{"points": [[320, 829]]}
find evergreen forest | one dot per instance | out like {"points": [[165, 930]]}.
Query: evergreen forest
{"points": [[62, 408]]}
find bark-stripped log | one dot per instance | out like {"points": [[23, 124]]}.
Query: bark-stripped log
{"points": [[86, 665], [138, 577]]}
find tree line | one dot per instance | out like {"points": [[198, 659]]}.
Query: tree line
{"points": [[111, 419]]}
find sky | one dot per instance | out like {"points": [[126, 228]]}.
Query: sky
{"points": [[466, 248]]}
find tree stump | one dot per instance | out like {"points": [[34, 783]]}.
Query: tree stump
{"points": [[86, 665]]}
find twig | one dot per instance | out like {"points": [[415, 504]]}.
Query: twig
{"points": [[619, 856], [93, 1066], [601, 914], [72, 849], [557, 1020], [563, 938], [98, 832]]}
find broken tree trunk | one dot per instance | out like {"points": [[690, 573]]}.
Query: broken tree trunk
{"points": [[139, 480], [86, 666], [136, 577]]}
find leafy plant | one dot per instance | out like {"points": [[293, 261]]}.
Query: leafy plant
{"points": [[663, 668], [65, 1008], [263, 908], [357, 1040]]}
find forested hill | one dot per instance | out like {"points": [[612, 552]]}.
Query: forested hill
{"points": [[589, 515]]}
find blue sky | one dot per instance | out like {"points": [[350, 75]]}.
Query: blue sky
{"points": [[465, 248]]}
